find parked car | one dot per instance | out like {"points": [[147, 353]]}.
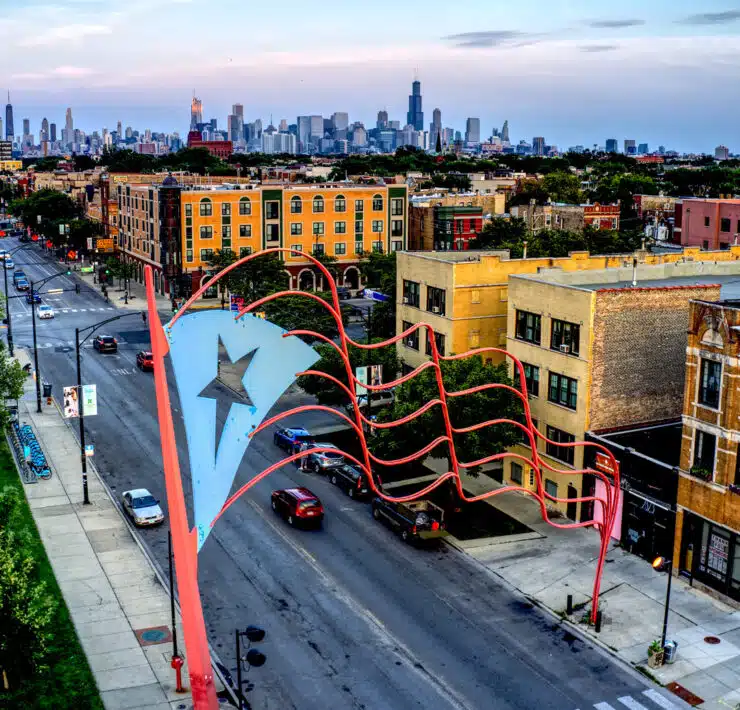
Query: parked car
{"points": [[4, 254], [415, 520], [9, 263], [298, 506], [379, 400], [45, 312], [291, 438], [142, 507], [145, 360], [105, 344], [22, 285], [344, 293], [33, 297], [351, 480], [324, 460]]}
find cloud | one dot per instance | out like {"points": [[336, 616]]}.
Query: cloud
{"points": [[63, 72], [615, 24], [710, 18], [64, 33], [493, 38], [593, 48]]}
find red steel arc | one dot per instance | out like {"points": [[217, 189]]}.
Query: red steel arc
{"points": [[185, 539]]}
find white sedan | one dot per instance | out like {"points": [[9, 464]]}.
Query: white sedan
{"points": [[45, 312]]}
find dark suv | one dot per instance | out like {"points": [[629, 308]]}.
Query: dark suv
{"points": [[351, 480], [105, 344], [298, 506]]}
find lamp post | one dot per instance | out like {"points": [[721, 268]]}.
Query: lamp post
{"points": [[7, 302], [661, 563]]}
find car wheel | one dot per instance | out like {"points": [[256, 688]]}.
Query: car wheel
{"points": [[290, 520], [405, 535], [274, 505], [376, 514], [351, 492], [334, 480]]}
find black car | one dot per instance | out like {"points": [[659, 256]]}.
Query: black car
{"points": [[33, 297], [344, 293], [351, 480], [105, 344]]}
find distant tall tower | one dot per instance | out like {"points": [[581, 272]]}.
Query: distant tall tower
{"points": [[196, 113], [26, 127], [505, 133], [53, 132], [382, 123], [9, 131], [238, 110], [435, 127], [119, 128], [44, 131], [538, 145], [415, 116], [472, 131]]}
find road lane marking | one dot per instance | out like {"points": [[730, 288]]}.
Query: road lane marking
{"points": [[629, 702], [603, 706], [658, 699]]}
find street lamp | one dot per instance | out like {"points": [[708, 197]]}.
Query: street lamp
{"points": [[78, 344], [7, 303], [660, 564]]}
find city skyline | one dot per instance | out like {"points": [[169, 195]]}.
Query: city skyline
{"points": [[585, 68]]}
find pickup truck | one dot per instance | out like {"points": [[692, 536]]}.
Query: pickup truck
{"points": [[415, 520]]}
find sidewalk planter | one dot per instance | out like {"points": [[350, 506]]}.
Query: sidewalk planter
{"points": [[700, 472], [655, 655]]}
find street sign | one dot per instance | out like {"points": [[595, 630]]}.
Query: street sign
{"points": [[368, 374], [61, 229], [361, 375], [89, 400], [89, 450], [71, 403], [87, 269]]}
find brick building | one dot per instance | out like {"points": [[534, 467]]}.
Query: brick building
{"points": [[708, 223], [572, 218], [707, 542], [218, 149], [443, 228]]}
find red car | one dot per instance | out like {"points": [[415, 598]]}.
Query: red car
{"points": [[298, 506], [145, 360]]}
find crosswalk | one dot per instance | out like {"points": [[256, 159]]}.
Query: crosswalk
{"points": [[650, 699], [69, 345], [69, 310]]}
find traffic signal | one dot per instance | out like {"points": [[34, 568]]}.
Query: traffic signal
{"points": [[69, 271], [107, 272]]}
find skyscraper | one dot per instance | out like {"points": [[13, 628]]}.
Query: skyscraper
{"points": [[238, 110], [472, 131], [53, 132], [196, 113], [119, 130], [44, 131], [538, 145], [382, 123], [415, 116], [505, 133], [630, 147], [612, 145], [435, 128], [69, 128], [9, 131]]}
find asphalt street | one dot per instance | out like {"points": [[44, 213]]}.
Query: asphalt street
{"points": [[354, 617]]}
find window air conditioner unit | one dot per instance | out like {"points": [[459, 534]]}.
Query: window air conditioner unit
{"points": [[410, 343], [565, 349], [405, 299], [435, 309]]}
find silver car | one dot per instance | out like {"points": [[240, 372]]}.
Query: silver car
{"points": [[325, 460], [142, 507]]}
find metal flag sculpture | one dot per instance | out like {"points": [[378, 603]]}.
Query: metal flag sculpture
{"points": [[277, 357]]}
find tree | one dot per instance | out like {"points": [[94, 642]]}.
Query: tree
{"points": [[379, 270], [12, 379], [53, 207], [500, 233], [80, 230], [303, 313], [563, 187], [457, 375], [331, 363], [254, 280]]}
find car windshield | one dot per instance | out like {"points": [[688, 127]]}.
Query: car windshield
{"points": [[106, 339], [332, 454], [144, 502], [303, 437]]}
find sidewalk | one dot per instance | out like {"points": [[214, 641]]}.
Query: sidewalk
{"points": [[552, 563], [118, 604], [136, 292]]}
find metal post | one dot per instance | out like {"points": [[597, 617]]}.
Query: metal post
{"points": [[172, 596], [667, 602], [35, 353], [7, 313], [238, 670], [83, 458]]}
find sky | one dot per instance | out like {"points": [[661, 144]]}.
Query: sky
{"points": [[577, 72]]}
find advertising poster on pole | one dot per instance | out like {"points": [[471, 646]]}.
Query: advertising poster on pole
{"points": [[361, 375], [71, 403], [89, 400]]}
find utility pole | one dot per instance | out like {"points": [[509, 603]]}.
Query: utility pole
{"points": [[81, 405], [35, 351]]}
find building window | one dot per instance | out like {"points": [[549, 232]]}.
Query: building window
{"points": [[439, 339], [412, 339], [724, 224], [296, 229], [565, 337], [531, 377], [397, 207], [411, 293], [551, 488], [206, 232], [340, 248], [244, 251], [340, 204], [378, 226], [206, 207], [318, 204], [397, 228], [318, 228], [359, 205], [340, 228], [563, 390], [377, 203], [359, 227], [245, 206], [318, 250], [436, 298], [710, 383], [296, 248], [188, 210], [706, 221], [206, 255], [226, 236], [705, 446], [272, 232], [359, 249], [296, 206], [528, 327], [189, 255], [272, 210], [245, 230], [516, 473], [225, 209], [378, 247], [396, 246], [561, 453], [475, 296]]}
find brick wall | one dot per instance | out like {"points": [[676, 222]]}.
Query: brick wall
{"points": [[639, 353]]}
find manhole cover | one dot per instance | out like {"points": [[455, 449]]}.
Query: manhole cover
{"points": [[712, 640], [153, 635]]}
